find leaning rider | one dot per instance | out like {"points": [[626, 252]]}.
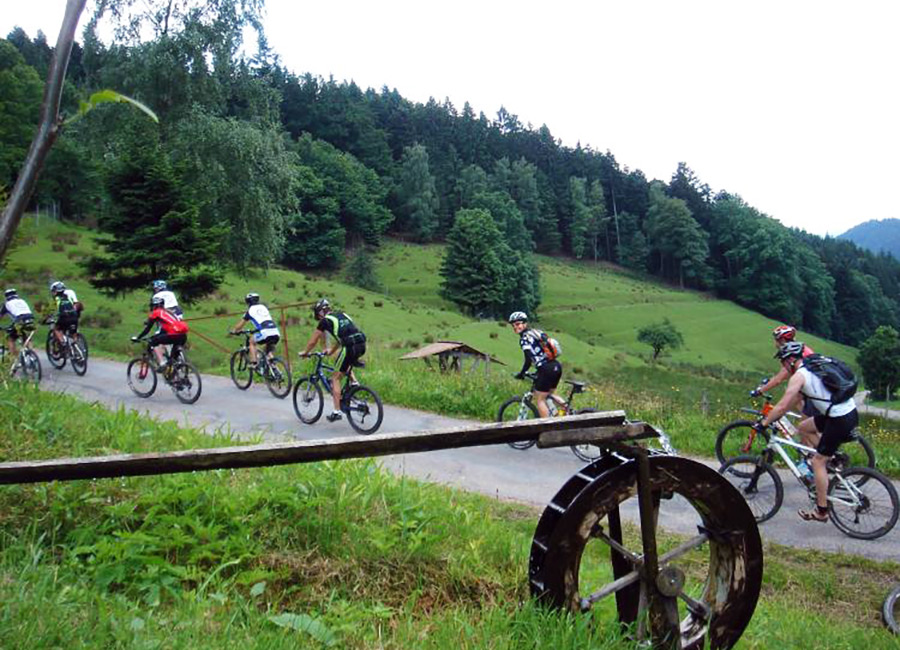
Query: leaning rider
{"points": [[67, 314], [549, 370], [172, 331], [835, 421], [21, 316], [265, 331], [170, 302], [347, 337]]}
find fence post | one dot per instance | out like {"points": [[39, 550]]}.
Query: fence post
{"points": [[287, 358]]}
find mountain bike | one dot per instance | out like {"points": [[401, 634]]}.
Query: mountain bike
{"points": [[182, 377], [361, 404], [862, 502], [273, 370], [890, 611], [740, 436], [73, 348], [522, 407], [27, 364]]}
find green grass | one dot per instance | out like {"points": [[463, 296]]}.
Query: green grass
{"points": [[332, 554]]}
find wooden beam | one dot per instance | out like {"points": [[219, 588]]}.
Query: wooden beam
{"points": [[610, 426]]}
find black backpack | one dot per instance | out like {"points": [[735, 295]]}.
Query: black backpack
{"points": [[835, 374], [66, 307]]}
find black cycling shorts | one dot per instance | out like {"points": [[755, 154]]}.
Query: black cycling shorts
{"points": [[270, 342], [66, 323], [168, 339], [20, 328], [548, 376], [350, 356], [835, 431]]}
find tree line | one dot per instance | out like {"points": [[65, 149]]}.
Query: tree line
{"points": [[253, 165]]}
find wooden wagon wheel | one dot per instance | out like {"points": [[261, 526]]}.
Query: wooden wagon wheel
{"points": [[699, 591]]}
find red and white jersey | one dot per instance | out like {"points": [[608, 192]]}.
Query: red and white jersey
{"points": [[168, 322]]}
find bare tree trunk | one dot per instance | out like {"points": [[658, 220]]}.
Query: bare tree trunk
{"points": [[48, 128]]}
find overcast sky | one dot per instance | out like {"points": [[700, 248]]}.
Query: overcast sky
{"points": [[792, 105]]}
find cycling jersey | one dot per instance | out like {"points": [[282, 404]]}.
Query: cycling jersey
{"points": [[168, 323], [342, 327], [170, 302], [815, 390], [262, 321], [17, 310], [530, 340]]}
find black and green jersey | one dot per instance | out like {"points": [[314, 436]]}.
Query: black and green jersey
{"points": [[342, 327]]}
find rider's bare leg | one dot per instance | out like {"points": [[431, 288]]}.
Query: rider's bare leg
{"points": [[336, 378], [252, 345], [809, 435], [540, 401]]}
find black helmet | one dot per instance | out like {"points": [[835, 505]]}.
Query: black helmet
{"points": [[788, 350], [156, 302], [518, 317], [321, 305], [11, 293], [251, 298]]}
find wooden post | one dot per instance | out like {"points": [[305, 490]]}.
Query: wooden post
{"points": [[284, 332]]}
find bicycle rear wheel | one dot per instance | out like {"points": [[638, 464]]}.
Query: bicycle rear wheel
{"points": [[278, 378], [141, 377], [55, 353], [863, 509], [737, 438], [78, 350], [308, 402], [241, 371], [186, 383], [363, 408], [890, 611], [758, 482], [586, 452], [513, 410]]}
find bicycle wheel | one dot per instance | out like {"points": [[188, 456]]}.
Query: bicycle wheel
{"points": [[141, 377], [308, 402], [735, 439], [186, 383], [55, 353], [79, 355], [859, 453], [864, 510], [758, 482], [586, 452], [513, 410], [278, 378], [241, 370], [363, 408], [30, 365], [890, 611]]}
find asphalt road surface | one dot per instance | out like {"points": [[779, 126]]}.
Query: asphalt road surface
{"points": [[531, 477]]}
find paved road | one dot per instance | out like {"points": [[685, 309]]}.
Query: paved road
{"points": [[530, 477]]}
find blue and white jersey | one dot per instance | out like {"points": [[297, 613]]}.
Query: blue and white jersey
{"points": [[262, 322], [17, 309], [170, 302]]}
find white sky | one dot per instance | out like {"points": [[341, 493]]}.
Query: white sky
{"points": [[793, 105]]}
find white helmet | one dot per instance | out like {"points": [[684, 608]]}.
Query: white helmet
{"points": [[518, 317]]}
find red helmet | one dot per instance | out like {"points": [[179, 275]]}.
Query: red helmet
{"points": [[784, 333]]}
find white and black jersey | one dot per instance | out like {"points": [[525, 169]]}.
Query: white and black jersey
{"points": [[263, 324], [170, 302], [530, 340]]}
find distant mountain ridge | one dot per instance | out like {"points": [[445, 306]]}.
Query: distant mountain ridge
{"points": [[876, 235]]}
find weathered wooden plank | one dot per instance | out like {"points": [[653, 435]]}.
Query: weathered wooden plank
{"points": [[590, 427]]}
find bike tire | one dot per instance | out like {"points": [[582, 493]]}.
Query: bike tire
{"points": [[860, 452], [141, 377], [278, 378], [758, 483], [79, 355], [186, 383], [890, 610], [879, 505], [241, 371], [55, 355], [509, 412], [308, 401], [31, 366], [733, 436], [587, 453], [364, 409]]}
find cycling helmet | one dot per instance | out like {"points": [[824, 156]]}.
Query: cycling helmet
{"points": [[57, 287], [11, 293], [160, 285], [321, 305], [156, 302], [784, 333], [251, 298], [788, 350], [518, 317]]}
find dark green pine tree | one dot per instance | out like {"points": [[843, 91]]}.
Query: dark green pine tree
{"points": [[417, 195], [153, 232]]}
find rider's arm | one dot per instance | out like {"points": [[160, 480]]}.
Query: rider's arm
{"points": [[785, 403], [239, 325], [147, 326], [780, 376], [316, 336]]}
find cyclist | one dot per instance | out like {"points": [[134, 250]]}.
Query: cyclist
{"points": [[781, 335], [67, 313], [172, 331], [161, 289], [265, 330], [347, 337], [549, 371], [21, 317], [835, 421]]}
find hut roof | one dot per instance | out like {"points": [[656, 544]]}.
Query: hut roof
{"points": [[439, 347]]}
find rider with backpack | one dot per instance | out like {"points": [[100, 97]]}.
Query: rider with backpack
{"points": [[829, 385], [68, 310], [541, 351]]}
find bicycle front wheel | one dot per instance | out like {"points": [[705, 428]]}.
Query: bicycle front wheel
{"points": [[55, 353], [186, 383], [364, 410], [586, 452], [308, 402], [241, 371], [278, 378], [79, 355], [30, 365], [758, 482], [737, 438], [141, 377], [513, 410], [890, 611], [864, 505]]}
